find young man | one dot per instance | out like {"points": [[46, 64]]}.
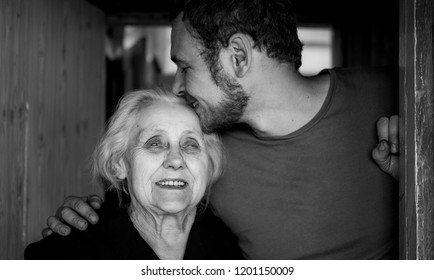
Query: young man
{"points": [[300, 182]]}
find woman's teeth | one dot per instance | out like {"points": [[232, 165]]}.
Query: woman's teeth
{"points": [[175, 183]]}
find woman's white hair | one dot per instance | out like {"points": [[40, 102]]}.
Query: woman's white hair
{"points": [[113, 146]]}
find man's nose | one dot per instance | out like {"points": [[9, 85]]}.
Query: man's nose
{"points": [[174, 159], [178, 84]]}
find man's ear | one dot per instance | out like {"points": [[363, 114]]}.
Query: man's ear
{"points": [[240, 46], [121, 170]]}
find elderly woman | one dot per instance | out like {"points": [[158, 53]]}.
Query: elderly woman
{"points": [[155, 154]]}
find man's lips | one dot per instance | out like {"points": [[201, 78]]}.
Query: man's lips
{"points": [[191, 100], [195, 104]]}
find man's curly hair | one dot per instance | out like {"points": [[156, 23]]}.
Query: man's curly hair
{"points": [[270, 23]]}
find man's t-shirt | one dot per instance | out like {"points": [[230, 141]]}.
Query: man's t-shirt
{"points": [[316, 193]]}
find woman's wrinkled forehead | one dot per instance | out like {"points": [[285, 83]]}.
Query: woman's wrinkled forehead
{"points": [[172, 118]]}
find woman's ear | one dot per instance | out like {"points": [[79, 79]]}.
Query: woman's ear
{"points": [[240, 46], [121, 170]]}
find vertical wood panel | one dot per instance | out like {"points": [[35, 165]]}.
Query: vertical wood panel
{"points": [[424, 129], [417, 130], [52, 109], [407, 221], [14, 118]]}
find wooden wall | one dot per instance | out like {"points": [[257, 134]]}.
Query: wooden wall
{"points": [[52, 105], [417, 129]]}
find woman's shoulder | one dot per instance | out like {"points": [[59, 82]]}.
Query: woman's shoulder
{"points": [[211, 239]]}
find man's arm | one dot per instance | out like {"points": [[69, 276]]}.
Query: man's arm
{"points": [[78, 211], [75, 211], [386, 152]]}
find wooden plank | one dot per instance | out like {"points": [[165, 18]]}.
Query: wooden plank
{"points": [[407, 228], [72, 75], [424, 108], [13, 132], [416, 126], [52, 111]]}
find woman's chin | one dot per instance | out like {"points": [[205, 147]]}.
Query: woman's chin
{"points": [[174, 202], [173, 208]]}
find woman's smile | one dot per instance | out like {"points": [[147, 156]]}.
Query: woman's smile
{"points": [[172, 184]]}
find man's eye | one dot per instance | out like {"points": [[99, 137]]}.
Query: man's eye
{"points": [[184, 69]]}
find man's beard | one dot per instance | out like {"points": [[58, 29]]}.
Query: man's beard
{"points": [[230, 110]]}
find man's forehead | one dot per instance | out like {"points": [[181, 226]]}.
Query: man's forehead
{"points": [[182, 43], [178, 28], [177, 37]]}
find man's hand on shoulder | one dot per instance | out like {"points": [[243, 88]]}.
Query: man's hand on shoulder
{"points": [[75, 211], [386, 153]]}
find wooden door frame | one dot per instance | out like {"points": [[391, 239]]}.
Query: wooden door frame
{"points": [[416, 130]]}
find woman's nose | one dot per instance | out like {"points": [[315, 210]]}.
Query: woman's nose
{"points": [[178, 83], [174, 159]]}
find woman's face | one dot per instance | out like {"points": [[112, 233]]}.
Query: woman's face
{"points": [[168, 162]]}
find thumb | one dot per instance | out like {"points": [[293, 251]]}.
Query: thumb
{"points": [[385, 161], [46, 232]]}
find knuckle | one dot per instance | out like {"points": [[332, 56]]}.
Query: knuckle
{"points": [[70, 201], [57, 228], [79, 222], [64, 212], [383, 120], [78, 204], [51, 221], [383, 162], [94, 198], [381, 157]]}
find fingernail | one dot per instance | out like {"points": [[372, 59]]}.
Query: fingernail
{"points": [[93, 218], [81, 224], [64, 231], [394, 148]]}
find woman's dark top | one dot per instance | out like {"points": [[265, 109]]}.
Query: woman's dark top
{"points": [[115, 237]]}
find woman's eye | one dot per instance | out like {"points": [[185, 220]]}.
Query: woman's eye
{"points": [[154, 144], [191, 145]]}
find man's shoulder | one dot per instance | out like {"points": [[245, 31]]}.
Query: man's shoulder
{"points": [[367, 73], [379, 85]]}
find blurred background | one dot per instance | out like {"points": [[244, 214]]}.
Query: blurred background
{"points": [[65, 64], [335, 33]]}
